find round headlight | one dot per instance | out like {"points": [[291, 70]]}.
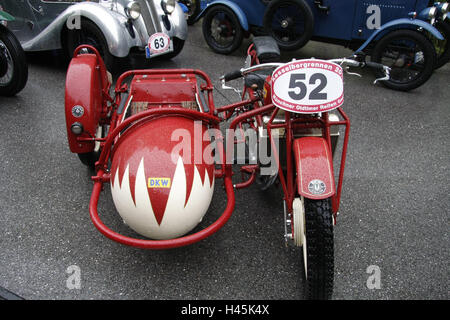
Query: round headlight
{"points": [[168, 6], [432, 13], [444, 7], [134, 10]]}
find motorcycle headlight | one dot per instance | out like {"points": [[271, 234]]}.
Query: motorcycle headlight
{"points": [[133, 10], [445, 7], [168, 6]]}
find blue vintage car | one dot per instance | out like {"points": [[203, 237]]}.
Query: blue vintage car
{"points": [[404, 34]]}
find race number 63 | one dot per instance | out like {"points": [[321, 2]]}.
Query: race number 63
{"points": [[308, 86], [158, 43]]}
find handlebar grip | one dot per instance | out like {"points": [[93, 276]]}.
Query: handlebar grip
{"points": [[375, 65], [232, 75]]}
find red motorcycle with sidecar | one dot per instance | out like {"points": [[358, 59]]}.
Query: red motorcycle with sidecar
{"points": [[157, 140]]}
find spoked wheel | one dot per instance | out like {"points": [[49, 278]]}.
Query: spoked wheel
{"points": [[194, 9], [90, 34], [13, 64], [442, 46], [411, 56], [290, 23], [313, 231], [222, 30]]}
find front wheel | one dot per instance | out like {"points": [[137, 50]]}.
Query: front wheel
{"points": [[89, 34], [13, 64], [313, 228], [410, 55], [194, 8], [222, 30]]}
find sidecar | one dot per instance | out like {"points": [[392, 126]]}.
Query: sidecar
{"points": [[115, 27], [13, 62], [151, 142], [404, 35]]}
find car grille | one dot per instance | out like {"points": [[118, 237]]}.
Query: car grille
{"points": [[150, 16]]}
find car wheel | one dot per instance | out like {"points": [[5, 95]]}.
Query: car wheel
{"points": [[222, 30], [318, 248], [289, 22], [89, 34], [410, 55], [13, 64], [194, 9], [178, 45]]}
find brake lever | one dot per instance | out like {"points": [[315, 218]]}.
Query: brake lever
{"points": [[225, 87], [387, 72], [351, 73]]}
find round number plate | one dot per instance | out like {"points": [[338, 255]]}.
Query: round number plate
{"points": [[308, 86]]}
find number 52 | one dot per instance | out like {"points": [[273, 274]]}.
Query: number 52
{"points": [[301, 90]]}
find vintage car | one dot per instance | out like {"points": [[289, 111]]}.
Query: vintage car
{"points": [[115, 27], [411, 36], [13, 62]]}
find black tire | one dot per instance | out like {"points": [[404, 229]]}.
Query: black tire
{"points": [[227, 35], [410, 54], [13, 64], [319, 249], [89, 159], [89, 34], [194, 9], [442, 46], [289, 22], [178, 45]]}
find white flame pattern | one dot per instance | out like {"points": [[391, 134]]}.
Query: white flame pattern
{"points": [[178, 219]]}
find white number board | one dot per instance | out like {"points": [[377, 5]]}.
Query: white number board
{"points": [[308, 86], [159, 43]]}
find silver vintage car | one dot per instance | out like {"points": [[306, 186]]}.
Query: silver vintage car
{"points": [[115, 27]]}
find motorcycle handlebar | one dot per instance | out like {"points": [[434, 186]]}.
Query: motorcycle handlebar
{"points": [[348, 61]]}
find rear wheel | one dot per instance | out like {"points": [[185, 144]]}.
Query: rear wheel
{"points": [[289, 22], [409, 54], [13, 64], [222, 30], [313, 230]]}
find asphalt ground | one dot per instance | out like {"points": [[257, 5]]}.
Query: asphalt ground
{"points": [[394, 212]]}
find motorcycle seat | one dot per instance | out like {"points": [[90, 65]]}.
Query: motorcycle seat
{"points": [[267, 49]]}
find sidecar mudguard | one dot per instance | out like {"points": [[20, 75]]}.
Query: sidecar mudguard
{"points": [[314, 162], [87, 85]]}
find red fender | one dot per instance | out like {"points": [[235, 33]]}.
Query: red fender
{"points": [[314, 162], [86, 84]]}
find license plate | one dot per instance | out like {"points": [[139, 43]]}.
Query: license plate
{"points": [[158, 43]]}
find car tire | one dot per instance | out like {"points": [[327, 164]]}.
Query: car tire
{"points": [[194, 7], [89, 34], [229, 27], [289, 22], [319, 249], [411, 68], [178, 45], [12, 56]]}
